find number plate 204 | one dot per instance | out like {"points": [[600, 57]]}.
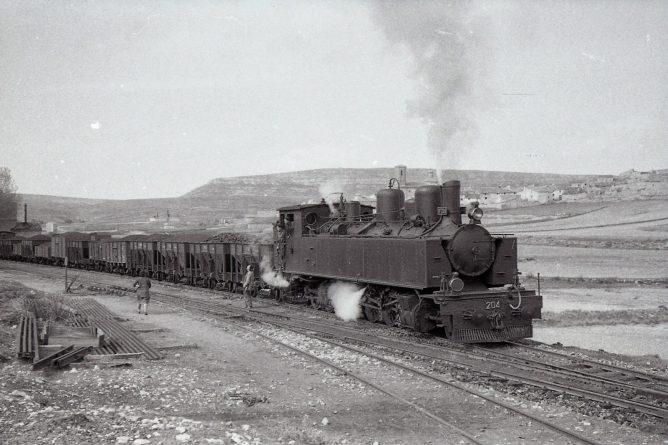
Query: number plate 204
{"points": [[492, 304]]}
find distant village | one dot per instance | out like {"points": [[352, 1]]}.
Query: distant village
{"points": [[631, 184], [627, 185]]}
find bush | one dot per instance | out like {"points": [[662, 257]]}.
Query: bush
{"points": [[45, 306]]}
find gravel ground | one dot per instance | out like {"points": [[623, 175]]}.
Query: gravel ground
{"points": [[236, 388]]}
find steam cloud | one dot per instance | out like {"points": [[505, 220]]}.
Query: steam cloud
{"points": [[329, 191], [447, 45], [345, 298], [270, 276]]}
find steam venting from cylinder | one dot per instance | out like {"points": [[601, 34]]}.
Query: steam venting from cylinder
{"points": [[270, 276]]}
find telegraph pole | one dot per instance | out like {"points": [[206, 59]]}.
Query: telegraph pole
{"points": [[66, 289]]}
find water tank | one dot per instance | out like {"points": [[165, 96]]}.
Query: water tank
{"points": [[389, 203], [409, 208], [427, 201], [451, 201]]}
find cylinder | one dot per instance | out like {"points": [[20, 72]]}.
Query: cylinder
{"points": [[389, 203], [353, 210], [427, 202], [409, 208], [451, 201]]}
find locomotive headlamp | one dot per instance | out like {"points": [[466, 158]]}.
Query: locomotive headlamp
{"points": [[456, 284], [476, 213]]}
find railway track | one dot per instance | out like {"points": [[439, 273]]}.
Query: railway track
{"points": [[512, 370], [233, 315], [494, 363], [237, 317], [650, 385]]}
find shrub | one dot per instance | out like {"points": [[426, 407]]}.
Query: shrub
{"points": [[45, 306]]}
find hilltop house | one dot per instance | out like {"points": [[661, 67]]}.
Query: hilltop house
{"points": [[634, 175], [498, 198], [573, 194], [541, 195]]}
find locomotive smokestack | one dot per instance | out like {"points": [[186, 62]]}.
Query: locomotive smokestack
{"points": [[25, 213], [451, 200]]}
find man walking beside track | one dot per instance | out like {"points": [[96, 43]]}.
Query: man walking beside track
{"points": [[142, 286], [248, 283]]}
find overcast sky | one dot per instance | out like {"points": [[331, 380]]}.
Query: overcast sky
{"points": [[153, 98]]}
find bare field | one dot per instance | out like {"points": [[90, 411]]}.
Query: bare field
{"points": [[632, 220], [608, 338], [558, 261]]}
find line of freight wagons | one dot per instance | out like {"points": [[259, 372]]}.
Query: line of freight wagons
{"points": [[197, 258]]}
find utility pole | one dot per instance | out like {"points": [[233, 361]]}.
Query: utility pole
{"points": [[66, 287]]}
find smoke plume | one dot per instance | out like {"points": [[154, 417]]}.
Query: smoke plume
{"points": [[345, 298], [446, 42], [330, 192], [272, 277]]}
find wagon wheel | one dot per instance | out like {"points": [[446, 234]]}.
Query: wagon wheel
{"points": [[372, 314], [390, 315]]}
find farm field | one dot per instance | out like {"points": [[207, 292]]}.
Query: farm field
{"points": [[574, 262], [632, 220]]}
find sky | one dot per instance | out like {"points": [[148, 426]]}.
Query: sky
{"points": [[150, 98]]}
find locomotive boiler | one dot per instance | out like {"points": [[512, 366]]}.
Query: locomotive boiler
{"points": [[420, 265]]}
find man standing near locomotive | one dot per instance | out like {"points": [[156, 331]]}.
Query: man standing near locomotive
{"points": [[142, 286], [248, 283]]}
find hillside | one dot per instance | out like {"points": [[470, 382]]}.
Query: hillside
{"points": [[365, 181], [238, 196], [55, 208]]}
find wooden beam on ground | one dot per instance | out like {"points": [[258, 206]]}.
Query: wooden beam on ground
{"points": [[102, 357], [170, 347], [46, 361]]}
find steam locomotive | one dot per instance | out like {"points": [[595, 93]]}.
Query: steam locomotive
{"points": [[420, 266]]}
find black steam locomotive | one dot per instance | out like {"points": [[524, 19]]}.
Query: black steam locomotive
{"points": [[419, 265]]}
